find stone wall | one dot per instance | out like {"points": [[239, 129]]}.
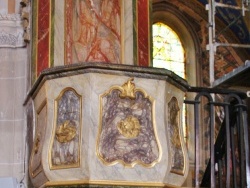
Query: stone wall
{"points": [[13, 81]]}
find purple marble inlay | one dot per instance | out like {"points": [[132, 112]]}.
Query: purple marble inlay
{"points": [[116, 147], [65, 148]]}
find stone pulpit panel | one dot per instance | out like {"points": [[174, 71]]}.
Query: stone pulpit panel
{"points": [[126, 129], [103, 124]]}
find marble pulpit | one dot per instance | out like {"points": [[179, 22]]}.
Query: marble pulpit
{"points": [[102, 124]]}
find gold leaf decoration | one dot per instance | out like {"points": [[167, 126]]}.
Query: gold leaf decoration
{"points": [[130, 127], [128, 89], [66, 132]]}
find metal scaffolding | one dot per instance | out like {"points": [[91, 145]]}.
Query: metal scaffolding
{"points": [[212, 45]]}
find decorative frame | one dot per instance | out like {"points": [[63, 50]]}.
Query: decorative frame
{"points": [[127, 127], [67, 131]]}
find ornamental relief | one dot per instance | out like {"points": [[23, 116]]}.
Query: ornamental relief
{"points": [[126, 128], [11, 31], [11, 39], [65, 147]]}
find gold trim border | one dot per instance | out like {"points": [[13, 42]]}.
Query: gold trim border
{"points": [[131, 165], [78, 164], [107, 182]]}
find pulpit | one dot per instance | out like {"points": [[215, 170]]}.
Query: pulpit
{"points": [[99, 124]]}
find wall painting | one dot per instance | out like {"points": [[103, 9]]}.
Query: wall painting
{"points": [[93, 31]]}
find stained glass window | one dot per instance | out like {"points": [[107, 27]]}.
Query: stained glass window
{"points": [[167, 49], [168, 53]]}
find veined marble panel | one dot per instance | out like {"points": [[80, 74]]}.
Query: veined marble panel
{"points": [[177, 155], [127, 132], [127, 37], [65, 150], [179, 161], [59, 25]]}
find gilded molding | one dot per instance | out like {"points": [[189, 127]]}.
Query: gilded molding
{"points": [[127, 133], [105, 183], [66, 137]]}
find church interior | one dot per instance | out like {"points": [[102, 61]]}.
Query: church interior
{"points": [[124, 93]]}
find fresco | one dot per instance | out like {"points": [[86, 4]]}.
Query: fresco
{"points": [[93, 31]]}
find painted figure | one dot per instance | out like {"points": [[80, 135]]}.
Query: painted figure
{"points": [[96, 31]]}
